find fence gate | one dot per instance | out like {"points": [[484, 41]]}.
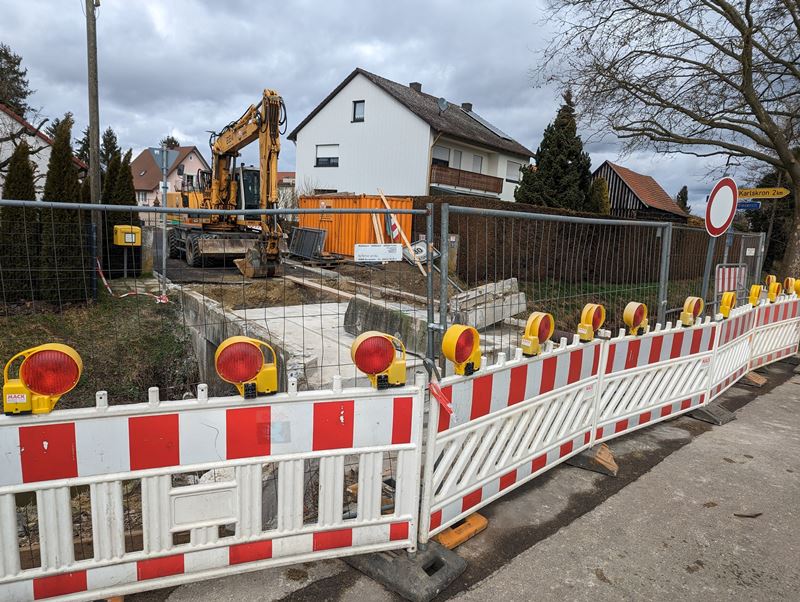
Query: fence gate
{"points": [[169, 493]]}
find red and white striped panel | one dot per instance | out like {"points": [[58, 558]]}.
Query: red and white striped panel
{"points": [[488, 392], [509, 424], [642, 419], [658, 346], [507, 482], [162, 571], [53, 446], [649, 378], [730, 278], [741, 322], [777, 331]]}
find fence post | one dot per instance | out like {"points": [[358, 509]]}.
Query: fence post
{"points": [[663, 283], [430, 332], [444, 242], [762, 253]]}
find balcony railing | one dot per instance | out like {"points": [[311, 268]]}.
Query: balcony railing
{"points": [[465, 179]]}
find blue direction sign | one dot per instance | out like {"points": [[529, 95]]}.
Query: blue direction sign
{"points": [[748, 205]]}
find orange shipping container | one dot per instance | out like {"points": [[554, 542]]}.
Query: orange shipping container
{"points": [[345, 230]]}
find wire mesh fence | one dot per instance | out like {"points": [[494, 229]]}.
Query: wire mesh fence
{"points": [[154, 314]]}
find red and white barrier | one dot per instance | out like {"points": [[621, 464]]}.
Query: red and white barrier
{"points": [[777, 331], [733, 351], [510, 422], [151, 443], [653, 377]]}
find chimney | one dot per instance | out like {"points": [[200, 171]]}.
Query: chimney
{"points": [[467, 106], [415, 86]]}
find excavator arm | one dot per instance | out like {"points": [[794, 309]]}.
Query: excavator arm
{"points": [[260, 122]]}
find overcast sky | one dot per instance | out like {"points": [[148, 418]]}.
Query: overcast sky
{"points": [[183, 67]]}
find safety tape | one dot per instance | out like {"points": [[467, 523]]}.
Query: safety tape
{"points": [[158, 298]]}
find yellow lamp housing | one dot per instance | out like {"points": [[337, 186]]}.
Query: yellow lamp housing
{"points": [[755, 294], [539, 328], [635, 317], [593, 316], [240, 361], [381, 357], [462, 346], [692, 307], [769, 280], [45, 374], [788, 285], [727, 303], [774, 291], [797, 286]]}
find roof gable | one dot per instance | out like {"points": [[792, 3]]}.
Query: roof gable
{"points": [[646, 189], [146, 167], [454, 121]]}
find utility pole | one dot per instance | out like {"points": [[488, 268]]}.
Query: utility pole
{"points": [[94, 120]]}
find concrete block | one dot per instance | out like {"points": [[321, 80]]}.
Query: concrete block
{"points": [[491, 312], [407, 324]]}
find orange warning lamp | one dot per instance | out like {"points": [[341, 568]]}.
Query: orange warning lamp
{"points": [[774, 291], [797, 286], [376, 355], [755, 294], [593, 316], [788, 285], [635, 317], [240, 361], [539, 328], [692, 307], [769, 280], [45, 374], [462, 346], [727, 303]]}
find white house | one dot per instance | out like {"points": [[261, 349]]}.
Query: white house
{"points": [[183, 163], [13, 129], [372, 133]]}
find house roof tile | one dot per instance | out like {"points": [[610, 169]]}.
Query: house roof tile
{"points": [[454, 121], [647, 190]]}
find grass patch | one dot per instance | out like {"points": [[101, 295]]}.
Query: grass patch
{"points": [[127, 345]]}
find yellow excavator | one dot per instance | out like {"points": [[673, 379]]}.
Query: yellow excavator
{"points": [[253, 242]]}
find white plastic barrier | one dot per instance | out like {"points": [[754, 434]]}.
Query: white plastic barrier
{"points": [[777, 331], [733, 349], [652, 377], [111, 449], [510, 422]]}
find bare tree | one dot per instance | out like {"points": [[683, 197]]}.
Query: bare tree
{"points": [[699, 77]]}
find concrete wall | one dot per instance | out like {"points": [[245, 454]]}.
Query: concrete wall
{"points": [[389, 149]]}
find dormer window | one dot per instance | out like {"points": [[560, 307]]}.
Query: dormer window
{"points": [[358, 111]]}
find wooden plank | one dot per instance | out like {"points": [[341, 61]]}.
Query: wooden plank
{"points": [[377, 228], [319, 287]]}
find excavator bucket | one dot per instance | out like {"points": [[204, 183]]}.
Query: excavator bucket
{"points": [[262, 260]]}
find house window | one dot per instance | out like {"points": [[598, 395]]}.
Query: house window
{"points": [[477, 163], [358, 111], [141, 197], [440, 156], [189, 181], [456, 159], [512, 171], [327, 155]]}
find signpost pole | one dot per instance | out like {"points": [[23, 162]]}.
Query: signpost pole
{"points": [[707, 270]]}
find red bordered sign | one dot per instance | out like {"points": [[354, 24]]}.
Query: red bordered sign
{"points": [[721, 207]]}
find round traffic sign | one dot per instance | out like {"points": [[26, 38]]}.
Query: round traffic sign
{"points": [[721, 207]]}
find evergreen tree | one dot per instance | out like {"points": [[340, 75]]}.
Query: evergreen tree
{"points": [[64, 267], [19, 230], [562, 176], [83, 146], [123, 194], [14, 90], [86, 189], [598, 196], [52, 128], [170, 141], [108, 147], [110, 180], [682, 198]]}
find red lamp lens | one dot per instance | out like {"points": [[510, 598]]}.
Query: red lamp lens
{"points": [[239, 362], [464, 345], [597, 318], [49, 372], [638, 315], [374, 355], [696, 309], [544, 329]]}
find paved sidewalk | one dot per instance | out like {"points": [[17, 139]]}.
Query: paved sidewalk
{"points": [[674, 534]]}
